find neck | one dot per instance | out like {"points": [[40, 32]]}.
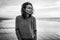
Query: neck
{"points": [[26, 15]]}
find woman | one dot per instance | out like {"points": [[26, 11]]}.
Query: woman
{"points": [[26, 23]]}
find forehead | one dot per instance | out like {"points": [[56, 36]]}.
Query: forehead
{"points": [[28, 6]]}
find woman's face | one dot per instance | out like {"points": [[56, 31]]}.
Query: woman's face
{"points": [[29, 9]]}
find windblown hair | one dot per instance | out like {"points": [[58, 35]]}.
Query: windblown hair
{"points": [[24, 7]]}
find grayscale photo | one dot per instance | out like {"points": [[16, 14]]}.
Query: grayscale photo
{"points": [[29, 19]]}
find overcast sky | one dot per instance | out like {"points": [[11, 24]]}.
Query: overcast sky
{"points": [[42, 8]]}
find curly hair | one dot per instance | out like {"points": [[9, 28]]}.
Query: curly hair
{"points": [[24, 7]]}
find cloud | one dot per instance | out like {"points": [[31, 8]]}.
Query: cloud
{"points": [[4, 3], [43, 4], [37, 3], [10, 11], [47, 8]]}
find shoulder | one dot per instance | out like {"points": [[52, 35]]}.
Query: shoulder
{"points": [[33, 17], [19, 16]]}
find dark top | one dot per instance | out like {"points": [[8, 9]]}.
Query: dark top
{"points": [[26, 27]]}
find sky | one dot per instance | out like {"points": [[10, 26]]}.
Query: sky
{"points": [[42, 8]]}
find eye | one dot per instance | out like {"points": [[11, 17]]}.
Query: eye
{"points": [[29, 8]]}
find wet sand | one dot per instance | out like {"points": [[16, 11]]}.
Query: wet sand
{"points": [[46, 30]]}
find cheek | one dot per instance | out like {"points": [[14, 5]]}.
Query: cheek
{"points": [[30, 10], [27, 9]]}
